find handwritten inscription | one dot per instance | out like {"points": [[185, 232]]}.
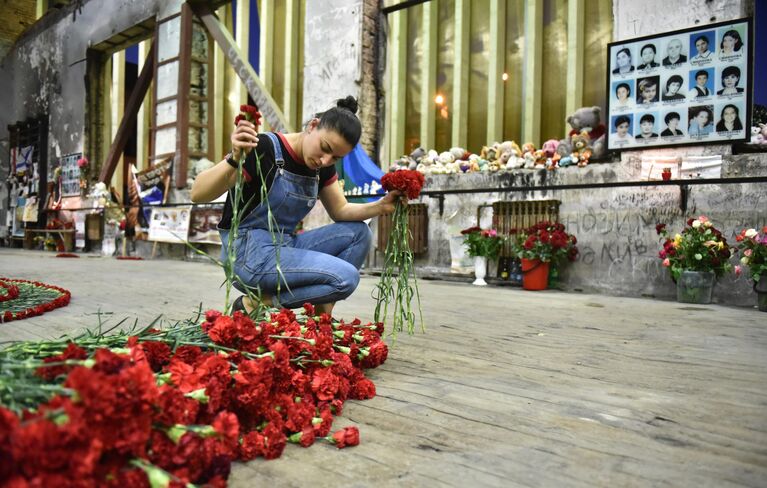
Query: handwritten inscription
{"points": [[266, 105]]}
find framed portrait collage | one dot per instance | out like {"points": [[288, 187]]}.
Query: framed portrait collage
{"points": [[691, 86]]}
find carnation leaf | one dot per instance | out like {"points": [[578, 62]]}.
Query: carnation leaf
{"points": [[158, 477], [198, 395]]}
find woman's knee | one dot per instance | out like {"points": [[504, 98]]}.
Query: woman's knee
{"points": [[362, 234], [348, 280], [366, 235]]}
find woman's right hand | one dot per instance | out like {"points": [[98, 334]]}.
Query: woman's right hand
{"points": [[244, 138]]}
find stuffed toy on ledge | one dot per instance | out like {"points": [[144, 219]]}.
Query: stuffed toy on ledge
{"points": [[759, 134], [586, 119], [581, 151]]}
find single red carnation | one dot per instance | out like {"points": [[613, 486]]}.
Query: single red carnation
{"points": [[363, 389], [325, 384], [348, 436], [73, 351], [157, 353]]}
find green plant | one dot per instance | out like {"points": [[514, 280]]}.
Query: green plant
{"points": [[753, 248], [482, 242], [699, 247]]}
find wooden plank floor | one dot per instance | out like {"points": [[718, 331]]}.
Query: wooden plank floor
{"points": [[506, 388]]}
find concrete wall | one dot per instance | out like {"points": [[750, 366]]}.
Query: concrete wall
{"points": [[615, 227], [332, 53]]}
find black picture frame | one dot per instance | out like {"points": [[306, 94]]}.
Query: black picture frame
{"points": [[663, 103]]}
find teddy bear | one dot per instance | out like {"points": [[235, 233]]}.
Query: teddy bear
{"points": [[759, 134], [581, 151], [585, 119]]}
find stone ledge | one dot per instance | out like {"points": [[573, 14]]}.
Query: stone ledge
{"points": [[739, 165]]}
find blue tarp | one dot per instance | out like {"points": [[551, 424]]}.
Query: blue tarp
{"points": [[360, 169]]}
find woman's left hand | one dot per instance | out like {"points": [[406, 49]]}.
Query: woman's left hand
{"points": [[389, 202]]}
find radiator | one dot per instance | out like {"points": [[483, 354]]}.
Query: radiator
{"points": [[520, 215], [418, 223]]}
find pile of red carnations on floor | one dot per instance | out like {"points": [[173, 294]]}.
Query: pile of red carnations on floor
{"points": [[176, 406]]}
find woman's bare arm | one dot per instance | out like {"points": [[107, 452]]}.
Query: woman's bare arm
{"points": [[213, 182]]}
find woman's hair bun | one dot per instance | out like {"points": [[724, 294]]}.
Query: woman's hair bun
{"points": [[349, 103]]}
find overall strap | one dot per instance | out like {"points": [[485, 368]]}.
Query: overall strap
{"points": [[278, 159]]}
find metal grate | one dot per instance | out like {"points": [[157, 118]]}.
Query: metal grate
{"points": [[418, 223], [519, 215]]}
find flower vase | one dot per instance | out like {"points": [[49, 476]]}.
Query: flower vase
{"points": [[480, 270], [535, 274], [761, 293], [695, 287]]}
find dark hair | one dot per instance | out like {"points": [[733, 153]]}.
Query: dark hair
{"points": [[735, 35], [622, 119], [343, 119], [730, 70], [736, 124], [628, 52], [675, 79], [648, 118], [695, 111], [703, 37], [651, 46], [672, 115], [701, 72], [624, 85]]}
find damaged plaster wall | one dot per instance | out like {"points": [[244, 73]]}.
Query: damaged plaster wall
{"points": [[44, 73], [332, 53], [615, 227]]}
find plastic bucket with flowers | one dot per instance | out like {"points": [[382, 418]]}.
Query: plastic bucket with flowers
{"points": [[752, 246], [696, 257], [535, 274]]}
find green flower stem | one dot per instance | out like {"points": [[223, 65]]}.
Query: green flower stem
{"points": [[295, 338], [395, 283]]}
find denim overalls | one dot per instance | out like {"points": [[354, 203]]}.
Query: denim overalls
{"points": [[319, 266]]}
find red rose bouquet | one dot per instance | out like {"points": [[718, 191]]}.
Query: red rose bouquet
{"points": [[700, 247], [546, 241], [394, 285]]}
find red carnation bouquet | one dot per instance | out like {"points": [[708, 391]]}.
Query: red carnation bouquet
{"points": [[394, 285], [407, 181], [249, 113]]}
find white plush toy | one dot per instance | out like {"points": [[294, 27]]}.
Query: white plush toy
{"points": [[756, 136], [446, 157]]}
